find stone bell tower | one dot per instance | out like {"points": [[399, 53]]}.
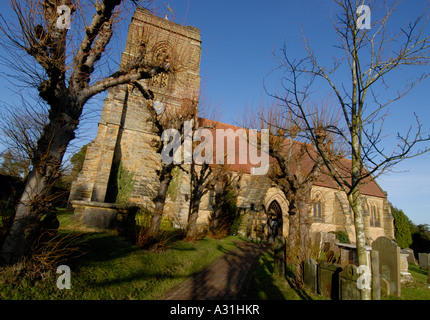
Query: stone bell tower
{"points": [[125, 134]]}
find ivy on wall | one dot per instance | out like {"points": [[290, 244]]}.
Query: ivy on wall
{"points": [[125, 183]]}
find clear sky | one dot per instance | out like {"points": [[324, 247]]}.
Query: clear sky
{"points": [[239, 38]]}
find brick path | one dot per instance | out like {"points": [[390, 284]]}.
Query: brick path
{"points": [[225, 279]]}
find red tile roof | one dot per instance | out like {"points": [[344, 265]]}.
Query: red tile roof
{"points": [[369, 186]]}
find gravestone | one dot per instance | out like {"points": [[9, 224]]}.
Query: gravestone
{"points": [[310, 272], [348, 289], [280, 255], [428, 273], [331, 251], [376, 280], [428, 269], [328, 280], [389, 263], [423, 260], [404, 268], [411, 256]]}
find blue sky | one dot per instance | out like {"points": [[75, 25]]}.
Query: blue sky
{"points": [[238, 41], [239, 38]]}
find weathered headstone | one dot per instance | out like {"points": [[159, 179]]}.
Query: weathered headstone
{"points": [[404, 266], [328, 280], [310, 272], [405, 275], [389, 263], [376, 279], [348, 289], [411, 256], [280, 255], [423, 260], [428, 269], [331, 250]]}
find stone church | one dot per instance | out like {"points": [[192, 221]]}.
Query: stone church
{"points": [[125, 137]]}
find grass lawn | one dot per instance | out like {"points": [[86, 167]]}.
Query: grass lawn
{"points": [[265, 285], [112, 268]]}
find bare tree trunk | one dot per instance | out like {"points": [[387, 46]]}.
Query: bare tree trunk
{"points": [[304, 225], [26, 222], [34, 201], [160, 199], [192, 219], [358, 212], [298, 238], [199, 183], [216, 207]]}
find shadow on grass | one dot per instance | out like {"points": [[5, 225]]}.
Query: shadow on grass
{"points": [[417, 269], [117, 266], [100, 247], [262, 286]]}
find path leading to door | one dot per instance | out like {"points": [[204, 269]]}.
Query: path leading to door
{"points": [[225, 279]]}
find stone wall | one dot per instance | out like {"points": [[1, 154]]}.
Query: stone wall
{"points": [[257, 194], [338, 217], [125, 131]]}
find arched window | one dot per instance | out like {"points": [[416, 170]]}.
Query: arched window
{"points": [[318, 207], [374, 216]]}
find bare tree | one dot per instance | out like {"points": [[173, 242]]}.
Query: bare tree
{"points": [[200, 181], [295, 167], [21, 126], [371, 57], [62, 66]]}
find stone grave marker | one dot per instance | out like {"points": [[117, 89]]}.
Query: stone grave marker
{"points": [[428, 269], [411, 256], [310, 273], [348, 289], [423, 260], [376, 280], [389, 263], [328, 280], [405, 275]]}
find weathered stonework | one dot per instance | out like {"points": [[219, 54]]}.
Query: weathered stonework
{"points": [[126, 135], [125, 131]]}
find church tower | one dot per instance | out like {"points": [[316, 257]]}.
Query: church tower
{"points": [[125, 138]]}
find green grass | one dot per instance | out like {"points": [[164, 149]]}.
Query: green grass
{"points": [[112, 268], [265, 285]]}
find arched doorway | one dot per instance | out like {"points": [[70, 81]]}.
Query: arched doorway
{"points": [[274, 220]]}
